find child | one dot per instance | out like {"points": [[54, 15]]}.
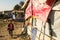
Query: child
{"points": [[10, 28]]}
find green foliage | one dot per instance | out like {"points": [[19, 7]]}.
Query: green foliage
{"points": [[21, 3], [17, 7]]}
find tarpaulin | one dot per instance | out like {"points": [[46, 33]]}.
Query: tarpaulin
{"points": [[28, 11], [39, 10]]}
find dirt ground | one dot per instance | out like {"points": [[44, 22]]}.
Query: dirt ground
{"points": [[4, 34]]}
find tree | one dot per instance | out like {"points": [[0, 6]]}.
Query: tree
{"points": [[21, 3], [17, 7]]}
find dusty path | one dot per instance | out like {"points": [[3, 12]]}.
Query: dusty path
{"points": [[4, 35]]}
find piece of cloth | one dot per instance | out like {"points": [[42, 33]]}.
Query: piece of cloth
{"points": [[14, 16], [39, 10], [56, 5], [34, 32], [55, 23], [10, 27]]}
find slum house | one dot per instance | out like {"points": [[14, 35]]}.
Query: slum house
{"points": [[9, 14], [19, 14], [52, 25]]}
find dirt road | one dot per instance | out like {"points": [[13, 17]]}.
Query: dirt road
{"points": [[4, 35]]}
